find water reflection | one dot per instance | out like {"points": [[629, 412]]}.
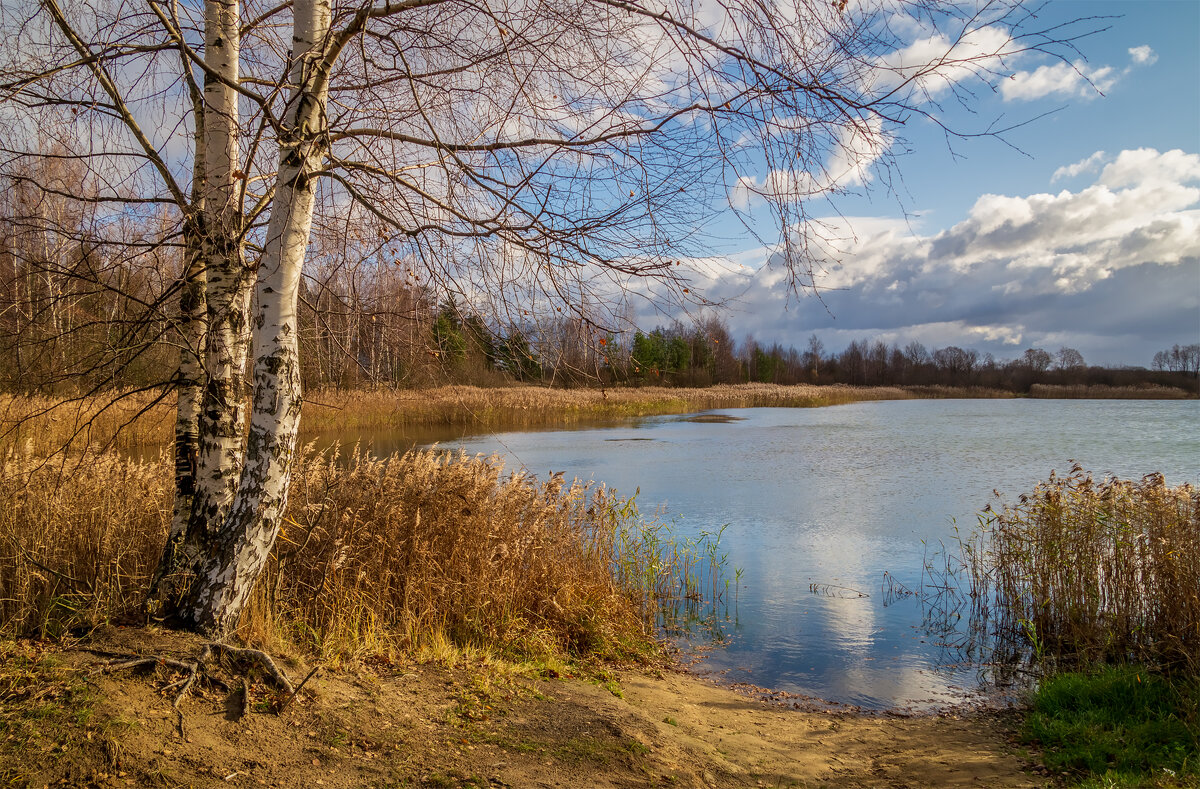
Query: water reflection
{"points": [[818, 498]]}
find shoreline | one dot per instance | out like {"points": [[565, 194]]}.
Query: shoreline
{"points": [[128, 420], [430, 724]]}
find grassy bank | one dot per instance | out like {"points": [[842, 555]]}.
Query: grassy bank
{"points": [[1118, 726], [1103, 392], [420, 551], [521, 407]]}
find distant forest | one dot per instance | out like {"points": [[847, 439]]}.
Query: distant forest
{"points": [[73, 319]]}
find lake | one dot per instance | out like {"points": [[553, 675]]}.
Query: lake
{"points": [[835, 497]]}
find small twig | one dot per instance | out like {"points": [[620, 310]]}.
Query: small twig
{"points": [[187, 685], [245, 697], [174, 684], [293, 694], [108, 653]]}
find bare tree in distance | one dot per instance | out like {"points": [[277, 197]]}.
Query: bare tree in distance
{"points": [[1068, 359], [528, 157]]}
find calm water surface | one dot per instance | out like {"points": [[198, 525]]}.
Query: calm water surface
{"points": [[838, 496]]}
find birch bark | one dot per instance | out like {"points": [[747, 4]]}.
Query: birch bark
{"points": [[221, 422], [189, 385], [211, 408], [239, 552]]}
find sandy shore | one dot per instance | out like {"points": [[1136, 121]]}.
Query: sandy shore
{"points": [[413, 725]]}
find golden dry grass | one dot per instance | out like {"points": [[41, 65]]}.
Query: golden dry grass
{"points": [[1102, 392], [40, 425], [403, 552], [333, 411]]}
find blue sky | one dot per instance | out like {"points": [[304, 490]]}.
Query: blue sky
{"points": [[1088, 236]]}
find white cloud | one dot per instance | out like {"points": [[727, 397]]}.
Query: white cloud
{"points": [[1072, 80], [1143, 55], [1146, 166], [1088, 165], [924, 70], [1059, 80], [1114, 264], [936, 63]]}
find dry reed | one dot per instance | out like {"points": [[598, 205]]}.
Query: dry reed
{"points": [[130, 420], [377, 554], [40, 425], [1103, 392], [77, 547], [335, 411], [1087, 572]]}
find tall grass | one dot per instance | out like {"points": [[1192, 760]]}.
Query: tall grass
{"points": [[1087, 573], [39, 425], [139, 419], [533, 406], [79, 547], [1104, 392], [377, 555]]}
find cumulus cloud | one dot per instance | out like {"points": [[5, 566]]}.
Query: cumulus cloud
{"points": [[1088, 165], [933, 65], [1143, 55], [1059, 80], [1072, 80], [1113, 267], [1147, 167], [922, 71]]}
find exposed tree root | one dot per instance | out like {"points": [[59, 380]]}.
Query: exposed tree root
{"points": [[198, 670]]}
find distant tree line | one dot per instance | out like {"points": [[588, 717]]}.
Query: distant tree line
{"points": [[706, 354], [78, 312]]}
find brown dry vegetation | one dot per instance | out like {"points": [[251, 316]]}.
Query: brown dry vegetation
{"points": [[40, 424], [409, 575], [1103, 392], [377, 555], [1091, 572]]}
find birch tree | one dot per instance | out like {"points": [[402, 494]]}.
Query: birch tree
{"points": [[530, 157]]}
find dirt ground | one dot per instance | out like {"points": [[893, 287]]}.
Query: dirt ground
{"points": [[412, 725]]}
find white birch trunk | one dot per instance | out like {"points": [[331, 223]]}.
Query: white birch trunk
{"points": [[189, 381], [189, 386], [227, 286], [240, 551], [211, 409]]}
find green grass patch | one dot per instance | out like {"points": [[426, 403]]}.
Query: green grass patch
{"points": [[1118, 727]]}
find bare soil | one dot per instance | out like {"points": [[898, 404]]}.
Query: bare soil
{"points": [[411, 725]]}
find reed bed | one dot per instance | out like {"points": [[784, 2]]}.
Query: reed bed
{"points": [[127, 420], [377, 555], [43, 425], [942, 392], [1103, 392], [1085, 573], [332, 411], [78, 547]]}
